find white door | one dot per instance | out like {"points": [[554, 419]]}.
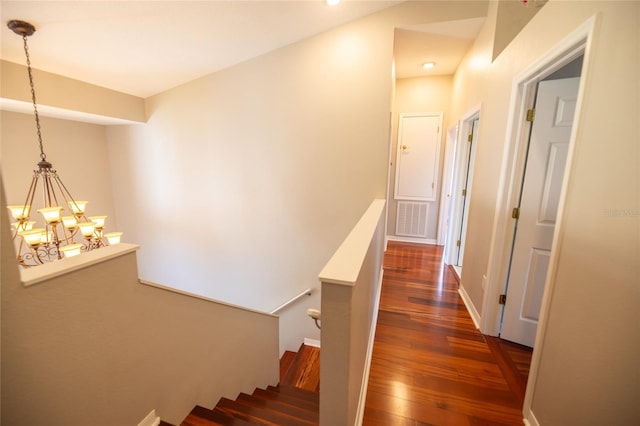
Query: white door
{"points": [[418, 157], [539, 198], [469, 154]]}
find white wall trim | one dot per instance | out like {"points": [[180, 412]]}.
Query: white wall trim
{"points": [[151, 420], [367, 366], [428, 241], [475, 316], [530, 419], [312, 342], [197, 296]]}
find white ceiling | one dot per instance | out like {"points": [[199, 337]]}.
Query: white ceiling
{"points": [[145, 47]]}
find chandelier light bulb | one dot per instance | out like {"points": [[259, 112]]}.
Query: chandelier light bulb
{"points": [[113, 237], [98, 220], [87, 228], [33, 237], [71, 250], [20, 213], [78, 207], [69, 222], [51, 214]]}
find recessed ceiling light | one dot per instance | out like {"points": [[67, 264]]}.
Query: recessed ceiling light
{"points": [[428, 65], [332, 2]]}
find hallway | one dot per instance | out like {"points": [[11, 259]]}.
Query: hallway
{"points": [[430, 365]]}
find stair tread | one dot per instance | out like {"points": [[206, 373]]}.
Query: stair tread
{"points": [[304, 372], [192, 420], [281, 407], [285, 363], [204, 416], [287, 399], [299, 393], [260, 415]]}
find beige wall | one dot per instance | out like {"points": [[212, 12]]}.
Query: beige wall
{"points": [[588, 370], [96, 347], [277, 158], [425, 94], [78, 151], [67, 94]]}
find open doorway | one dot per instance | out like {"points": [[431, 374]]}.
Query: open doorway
{"points": [[463, 165], [535, 214]]}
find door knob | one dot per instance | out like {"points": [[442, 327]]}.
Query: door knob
{"points": [[404, 147]]}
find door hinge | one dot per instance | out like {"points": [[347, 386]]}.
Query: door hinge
{"points": [[458, 243], [502, 299], [470, 138], [464, 192], [515, 213], [531, 114]]}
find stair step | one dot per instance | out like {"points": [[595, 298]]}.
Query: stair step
{"points": [[281, 407], [285, 363], [201, 416], [296, 393], [286, 399], [262, 416], [304, 372], [294, 402]]}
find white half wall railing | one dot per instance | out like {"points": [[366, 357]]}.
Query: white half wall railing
{"points": [[90, 344], [351, 282]]}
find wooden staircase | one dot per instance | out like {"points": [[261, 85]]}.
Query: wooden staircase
{"points": [[295, 401]]}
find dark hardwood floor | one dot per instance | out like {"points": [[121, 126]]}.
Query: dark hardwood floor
{"points": [[430, 365]]}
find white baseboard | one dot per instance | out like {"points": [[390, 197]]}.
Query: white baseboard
{"points": [[367, 366], [530, 419], [312, 342], [472, 309], [151, 420], [428, 241]]}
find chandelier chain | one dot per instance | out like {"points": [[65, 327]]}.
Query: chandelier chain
{"points": [[43, 156]]}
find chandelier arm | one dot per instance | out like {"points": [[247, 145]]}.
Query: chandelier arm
{"points": [[54, 197], [43, 156], [68, 235], [48, 189], [28, 202], [31, 194]]}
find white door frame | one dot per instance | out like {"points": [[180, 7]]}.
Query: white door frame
{"points": [[522, 98], [456, 211], [446, 190]]}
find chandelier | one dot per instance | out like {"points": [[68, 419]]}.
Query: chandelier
{"points": [[61, 235]]}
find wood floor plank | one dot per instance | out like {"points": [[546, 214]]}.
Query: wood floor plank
{"points": [[430, 365]]}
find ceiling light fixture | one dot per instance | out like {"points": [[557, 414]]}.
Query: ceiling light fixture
{"points": [[428, 65], [38, 245], [332, 2]]}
